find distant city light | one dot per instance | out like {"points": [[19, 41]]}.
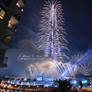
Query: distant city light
{"points": [[73, 82], [84, 81]]}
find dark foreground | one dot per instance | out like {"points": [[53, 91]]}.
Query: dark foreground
{"points": [[43, 90]]}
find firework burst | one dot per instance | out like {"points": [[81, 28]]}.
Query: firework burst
{"points": [[52, 35]]}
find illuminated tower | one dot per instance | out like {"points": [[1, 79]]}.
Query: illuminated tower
{"points": [[52, 35]]}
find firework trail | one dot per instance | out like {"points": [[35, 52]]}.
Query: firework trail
{"points": [[52, 35], [80, 63], [47, 68]]}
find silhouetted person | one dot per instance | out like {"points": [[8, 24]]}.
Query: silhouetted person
{"points": [[74, 89], [64, 86], [81, 84]]}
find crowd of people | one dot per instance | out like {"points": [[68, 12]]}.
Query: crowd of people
{"points": [[64, 86]]}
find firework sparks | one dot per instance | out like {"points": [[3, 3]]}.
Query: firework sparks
{"points": [[52, 35], [79, 63], [46, 68]]}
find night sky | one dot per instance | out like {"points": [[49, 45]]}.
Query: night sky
{"points": [[78, 26], [78, 23]]}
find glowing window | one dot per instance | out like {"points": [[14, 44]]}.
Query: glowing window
{"points": [[2, 14]]}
